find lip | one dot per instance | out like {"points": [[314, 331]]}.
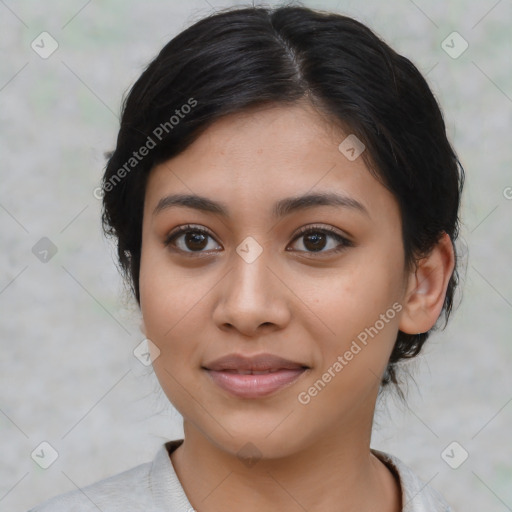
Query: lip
{"points": [[259, 362], [235, 373]]}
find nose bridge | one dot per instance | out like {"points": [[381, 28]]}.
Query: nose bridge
{"points": [[251, 295], [250, 281]]}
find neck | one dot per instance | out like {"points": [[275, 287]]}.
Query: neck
{"points": [[338, 472]]}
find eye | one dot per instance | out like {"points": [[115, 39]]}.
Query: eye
{"points": [[315, 239], [194, 239], [189, 237]]}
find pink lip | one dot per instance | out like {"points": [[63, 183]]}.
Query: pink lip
{"points": [[259, 362], [234, 373], [255, 385]]}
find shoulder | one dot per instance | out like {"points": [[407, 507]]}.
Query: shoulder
{"points": [[417, 496], [129, 490]]}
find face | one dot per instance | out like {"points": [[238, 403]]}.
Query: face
{"points": [[317, 283]]}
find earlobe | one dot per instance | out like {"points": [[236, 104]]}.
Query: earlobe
{"points": [[426, 290]]}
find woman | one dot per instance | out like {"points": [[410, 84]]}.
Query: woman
{"points": [[285, 205]]}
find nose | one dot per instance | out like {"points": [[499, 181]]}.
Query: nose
{"points": [[252, 299]]}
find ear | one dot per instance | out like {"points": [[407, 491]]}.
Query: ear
{"points": [[426, 288]]}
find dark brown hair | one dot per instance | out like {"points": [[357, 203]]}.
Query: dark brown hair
{"points": [[240, 58]]}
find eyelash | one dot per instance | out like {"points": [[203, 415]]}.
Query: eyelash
{"points": [[344, 242]]}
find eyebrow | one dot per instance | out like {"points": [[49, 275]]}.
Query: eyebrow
{"points": [[281, 208]]}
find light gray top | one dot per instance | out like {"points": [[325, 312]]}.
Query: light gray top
{"points": [[155, 487]]}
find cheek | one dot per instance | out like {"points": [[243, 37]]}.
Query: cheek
{"points": [[356, 298], [171, 307], [164, 292], [364, 318], [173, 304], [166, 304], [362, 308]]}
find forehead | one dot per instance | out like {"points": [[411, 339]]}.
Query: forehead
{"points": [[279, 133], [262, 155]]}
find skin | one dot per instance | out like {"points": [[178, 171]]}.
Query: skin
{"points": [[300, 304]]}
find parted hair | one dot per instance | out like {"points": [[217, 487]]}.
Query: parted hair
{"points": [[245, 57]]}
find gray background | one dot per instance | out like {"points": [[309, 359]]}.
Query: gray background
{"points": [[68, 375]]}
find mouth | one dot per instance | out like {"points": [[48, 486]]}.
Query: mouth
{"points": [[253, 372], [254, 377]]}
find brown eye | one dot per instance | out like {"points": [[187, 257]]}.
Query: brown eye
{"points": [[195, 241], [316, 239], [189, 239]]}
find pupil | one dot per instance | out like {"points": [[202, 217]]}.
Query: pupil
{"points": [[317, 239], [196, 238]]}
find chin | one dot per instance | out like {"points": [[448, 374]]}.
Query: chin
{"points": [[257, 440]]}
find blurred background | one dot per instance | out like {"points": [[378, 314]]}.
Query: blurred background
{"points": [[75, 398]]}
